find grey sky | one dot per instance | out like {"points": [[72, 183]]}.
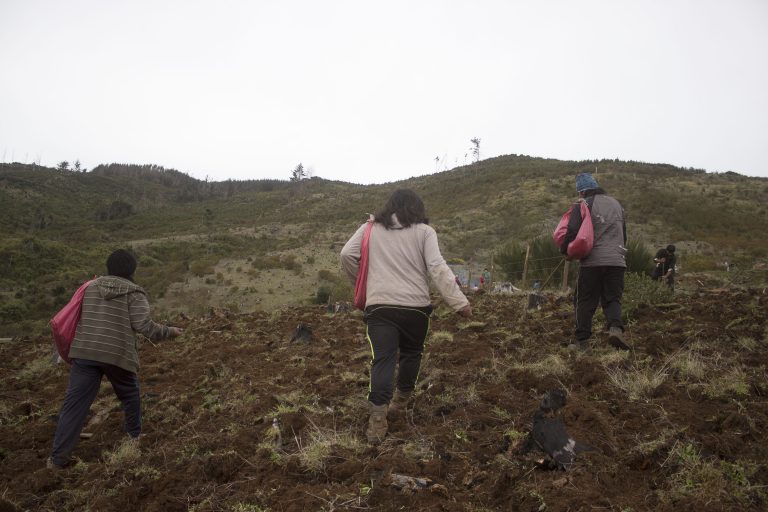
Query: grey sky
{"points": [[374, 91]]}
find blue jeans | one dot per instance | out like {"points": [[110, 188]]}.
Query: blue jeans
{"points": [[84, 381]]}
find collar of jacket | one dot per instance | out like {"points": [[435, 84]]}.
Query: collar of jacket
{"points": [[111, 287]]}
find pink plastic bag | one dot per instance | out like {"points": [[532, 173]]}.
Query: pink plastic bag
{"points": [[581, 246], [361, 283], [64, 323]]}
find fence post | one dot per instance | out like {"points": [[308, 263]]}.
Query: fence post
{"points": [[491, 279], [469, 275], [565, 275], [525, 264]]}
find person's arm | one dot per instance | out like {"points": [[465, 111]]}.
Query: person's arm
{"points": [[442, 276], [350, 254], [624, 229], [624, 224], [670, 267], [574, 223], [138, 309]]}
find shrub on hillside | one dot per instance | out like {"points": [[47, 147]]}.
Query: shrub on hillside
{"points": [[640, 290], [545, 262], [639, 258], [12, 312], [326, 275], [342, 290], [322, 295], [201, 267]]}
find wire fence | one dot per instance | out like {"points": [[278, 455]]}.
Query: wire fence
{"points": [[536, 272]]}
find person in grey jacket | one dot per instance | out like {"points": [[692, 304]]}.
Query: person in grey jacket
{"points": [[601, 273], [114, 309], [403, 257]]}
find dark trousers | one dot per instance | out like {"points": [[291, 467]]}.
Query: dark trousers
{"points": [[391, 329], [598, 285], [84, 381]]}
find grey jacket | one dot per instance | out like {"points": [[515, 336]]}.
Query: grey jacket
{"points": [[114, 309], [401, 263], [610, 236]]}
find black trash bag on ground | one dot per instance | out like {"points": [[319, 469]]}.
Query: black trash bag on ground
{"points": [[550, 435]]}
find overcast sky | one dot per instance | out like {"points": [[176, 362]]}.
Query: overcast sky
{"points": [[368, 92]]}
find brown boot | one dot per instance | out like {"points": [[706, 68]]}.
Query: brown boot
{"points": [[616, 338], [377, 423], [400, 400]]}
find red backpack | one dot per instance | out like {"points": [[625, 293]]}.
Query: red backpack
{"points": [[64, 323], [361, 283], [581, 246]]}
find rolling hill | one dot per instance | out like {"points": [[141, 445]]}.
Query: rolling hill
{"points": [[260, 244], [240, 417]]}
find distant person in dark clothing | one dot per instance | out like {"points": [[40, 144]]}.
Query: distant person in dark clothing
{"points": [[660, 260], [114, 310], [601, 273], [669, 267]]}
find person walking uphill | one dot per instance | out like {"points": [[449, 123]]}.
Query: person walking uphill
{"points": [[403, 256], [601, 273], [114, 309]]}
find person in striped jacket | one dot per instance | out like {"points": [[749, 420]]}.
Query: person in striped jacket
{"points": [[114, 310]]}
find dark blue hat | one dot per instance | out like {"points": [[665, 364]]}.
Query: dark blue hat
{"points": [[585, 181]]}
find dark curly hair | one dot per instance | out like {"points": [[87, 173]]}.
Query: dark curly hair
{"points": [[408, 207], [121, 263]]}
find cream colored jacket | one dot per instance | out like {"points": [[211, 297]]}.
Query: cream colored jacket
{"points": [[401, 263]]}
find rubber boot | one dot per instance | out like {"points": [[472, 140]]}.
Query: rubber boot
{"points": [[377, 423], [400, 400]]}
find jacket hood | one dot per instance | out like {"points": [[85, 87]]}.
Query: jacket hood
{"points": [[111, 287]]}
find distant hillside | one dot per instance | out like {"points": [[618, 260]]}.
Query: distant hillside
{"points": [[58, 226]]}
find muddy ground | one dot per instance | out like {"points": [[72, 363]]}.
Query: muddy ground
{"points": [[678, 424]]}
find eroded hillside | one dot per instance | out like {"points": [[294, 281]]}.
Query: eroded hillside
{"points": [[677, 424]]}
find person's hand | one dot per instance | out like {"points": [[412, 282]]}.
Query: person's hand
{"points": [[174, 332], [466, 311]]}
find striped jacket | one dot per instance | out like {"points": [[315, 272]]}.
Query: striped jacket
{"points": [[114, 309]]}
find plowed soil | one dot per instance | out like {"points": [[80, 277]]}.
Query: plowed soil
{"points": [[690, 437]]}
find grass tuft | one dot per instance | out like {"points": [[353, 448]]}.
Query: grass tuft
{"points": [[315, 453], [732, 382], [125, 455], [637, 382], [710, 480], [438, 336], [553, 364], [689, 365], [471, 325]]}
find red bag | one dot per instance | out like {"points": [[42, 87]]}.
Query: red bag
{"points": [[362, 271], [581, 246], [64, 324]]}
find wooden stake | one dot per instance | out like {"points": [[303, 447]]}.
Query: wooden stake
{"points": [[491, 279], [525, 264], [565, 274]]}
